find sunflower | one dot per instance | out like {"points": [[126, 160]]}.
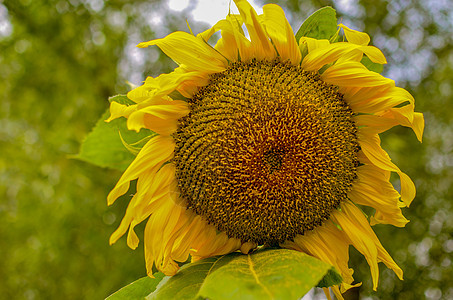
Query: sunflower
{"points": [[265, 140]]}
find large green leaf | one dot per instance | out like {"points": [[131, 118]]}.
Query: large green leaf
{"points": [[322, 24], [112, 144], [270, 274], [138, 289], [187, 282], [266, 274]]}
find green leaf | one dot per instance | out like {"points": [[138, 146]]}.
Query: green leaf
{"points": [[264, 274], [378, 68], [322, 24], [122, 99], [187, 282], [107, 145], [138, 289], [269, 274], [331, 278]]}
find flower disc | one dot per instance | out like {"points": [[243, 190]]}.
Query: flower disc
{"points": [[267, 151]]}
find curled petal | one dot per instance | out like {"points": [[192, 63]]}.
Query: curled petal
{"points": [[355, 37], [372, 188], [313, 44], [354, 74], [212, 244], [343, 52], [196, 53], [262, 46], [154, 89], [317, 243], [160, 118], [355, 226], [375, 100], [370, 145], [118, 110], [161, 232], [406, 116], [281, 33], [152, 156]]}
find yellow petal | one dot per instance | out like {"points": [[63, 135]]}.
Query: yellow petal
{"points": [[370, 145], [344, 287], [355, 95], [355, 37], [383, 255], [354, 74], [373, 188], [191, 51], [155, 89], [262, 46], [160, 118], [397, 116], [313, 44], [160, 233], [343, 52], [125, 222], [358, 231], [184, 240], [365, 101], [245, 48], [387, 212], [118, 110], [246, 247], [374, 54], [155, 152], [418, 125], [352, 55], [377, 124], [327, 293], [281, 33], [151, 188], [407, 117], [158, 125], [360, 240], [214, 244], [407, 188], [141, 93], [168, 110], [318, 243], [178, 246], [132, 238], [320, 56], [231, 42]]}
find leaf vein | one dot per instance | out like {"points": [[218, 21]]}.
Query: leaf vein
{"points": [[210, 269], [252, 270]]}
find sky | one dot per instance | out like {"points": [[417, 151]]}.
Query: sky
{"points": [[209, 11]]}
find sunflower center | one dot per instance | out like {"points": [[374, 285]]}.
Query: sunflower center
{"points": [[267, 151], [273, 158]]}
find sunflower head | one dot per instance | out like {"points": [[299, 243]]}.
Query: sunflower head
{"points": [[267, 151], [271, 141]]}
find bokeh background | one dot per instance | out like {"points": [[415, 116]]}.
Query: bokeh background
{"points": [[61, 59]]}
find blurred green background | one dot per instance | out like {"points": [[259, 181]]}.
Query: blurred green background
{"points": [[61, 59]]}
